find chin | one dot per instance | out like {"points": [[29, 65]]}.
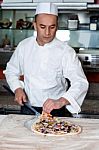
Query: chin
{"points": [[48, 41]]}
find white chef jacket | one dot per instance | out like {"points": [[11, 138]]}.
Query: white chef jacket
{"points": [[45, 69]]}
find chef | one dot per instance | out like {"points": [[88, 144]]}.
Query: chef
{"points": [[47, 63]]}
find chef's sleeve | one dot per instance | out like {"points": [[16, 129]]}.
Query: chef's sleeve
{"points": [[72, 70], [14, 69]]}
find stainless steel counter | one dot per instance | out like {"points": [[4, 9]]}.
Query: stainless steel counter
{"points": [[91, 68]]}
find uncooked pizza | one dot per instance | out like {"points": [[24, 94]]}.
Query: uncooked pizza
{"points": [[54, 126]]}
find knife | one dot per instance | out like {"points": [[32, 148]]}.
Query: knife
{"points": [[29, 106], [26, 104]]}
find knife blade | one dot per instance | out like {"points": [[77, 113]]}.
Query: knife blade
{"points": [[29, 106], [26, 104]]}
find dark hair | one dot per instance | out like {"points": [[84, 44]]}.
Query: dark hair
{"points": [[35, 18]]}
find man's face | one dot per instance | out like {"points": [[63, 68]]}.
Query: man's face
{"points": [[46, 27]]}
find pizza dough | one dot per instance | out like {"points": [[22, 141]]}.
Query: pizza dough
{"points": [[54, 126]]}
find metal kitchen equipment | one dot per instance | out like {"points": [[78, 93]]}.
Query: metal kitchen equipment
{"points": [[91, 55], [73, 22], [93, 22], [28, 105]]}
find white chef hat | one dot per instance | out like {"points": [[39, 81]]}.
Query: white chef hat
{"points": [[47, 8]]}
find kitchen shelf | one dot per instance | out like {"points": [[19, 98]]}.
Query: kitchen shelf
{"points": [[93, 7], [78, 38], [31, 6], [61, 6], [15, 29], [81, 26]]}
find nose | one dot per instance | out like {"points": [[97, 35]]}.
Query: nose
{"points": [[47, 32]]}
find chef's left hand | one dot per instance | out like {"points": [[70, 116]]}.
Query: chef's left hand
{"points": [[51, 104]]}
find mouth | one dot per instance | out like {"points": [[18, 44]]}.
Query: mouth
{"points": [[47, 37]]}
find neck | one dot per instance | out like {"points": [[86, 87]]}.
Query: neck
{"points": [[39, 42]]}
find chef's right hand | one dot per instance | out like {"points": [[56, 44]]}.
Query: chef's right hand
{"points": [[20, 96]]}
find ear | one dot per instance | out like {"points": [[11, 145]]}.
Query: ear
{"points": [[34, 24]]}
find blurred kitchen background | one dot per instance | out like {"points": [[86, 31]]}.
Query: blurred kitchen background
{"points": [[78, 24]]}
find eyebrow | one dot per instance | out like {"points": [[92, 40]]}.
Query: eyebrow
{"points": [[45, 25]]}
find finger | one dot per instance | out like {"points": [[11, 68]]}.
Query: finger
{"points": [[47, 111], [24, 98], [47, 103], [48, 108], [19, 101]]}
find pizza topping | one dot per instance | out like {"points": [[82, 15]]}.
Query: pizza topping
{"points": [[53, 125]]}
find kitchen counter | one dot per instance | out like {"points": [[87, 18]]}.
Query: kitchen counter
{"points": [[13, 135], [6, 55], [91, 68]]}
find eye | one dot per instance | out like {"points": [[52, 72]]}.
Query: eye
{"points": [[53, 26], [42, 26]]}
